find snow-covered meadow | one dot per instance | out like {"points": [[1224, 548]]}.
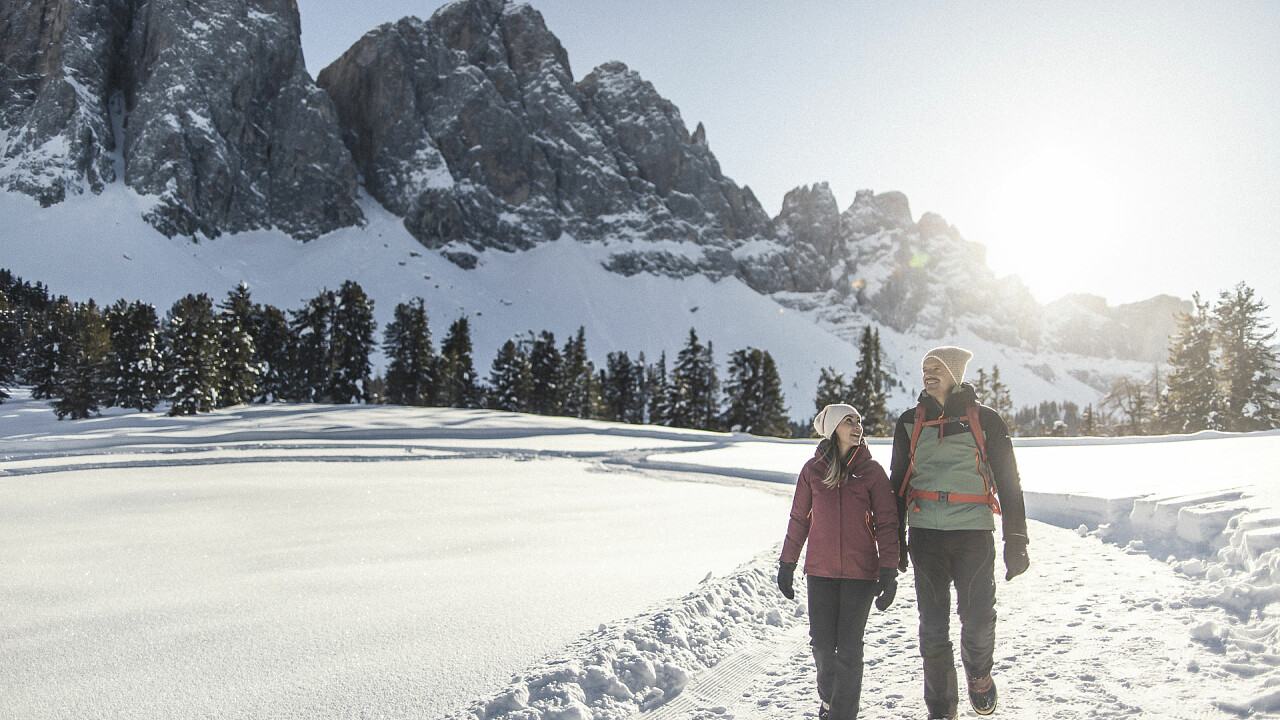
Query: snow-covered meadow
{"points": [[317, 561]]}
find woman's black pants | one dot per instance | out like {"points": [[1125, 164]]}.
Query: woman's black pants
{"points": [[838, 610]]}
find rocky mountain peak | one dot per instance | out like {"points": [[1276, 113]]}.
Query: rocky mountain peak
{"points": [[871, 213], [699, 136], [469, 124], [220, 121], [809, 215]]}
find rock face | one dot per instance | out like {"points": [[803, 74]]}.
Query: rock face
{"points": [[60, 67], [875, 261], [470, 126], [1086, 325], [215, 113], [225, 125]]}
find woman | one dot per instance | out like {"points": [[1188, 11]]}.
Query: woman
{"points": [[845, 508]]}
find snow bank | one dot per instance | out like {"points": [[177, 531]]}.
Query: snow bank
{"points": [[640, 663], [1211, 511]]}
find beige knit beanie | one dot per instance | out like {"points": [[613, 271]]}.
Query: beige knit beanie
{"points": [[830, 416], [955, 359]]}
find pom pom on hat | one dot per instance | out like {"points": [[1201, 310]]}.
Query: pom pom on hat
{"points": [[954, 359], [829, 417]]}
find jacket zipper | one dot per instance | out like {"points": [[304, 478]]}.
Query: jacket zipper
{"points": [[840, 524]]}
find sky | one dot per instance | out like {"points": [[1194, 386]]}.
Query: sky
{"points": [[1120, 149]]}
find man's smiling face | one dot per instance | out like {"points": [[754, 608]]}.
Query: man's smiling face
{"points": [[937, 379]]}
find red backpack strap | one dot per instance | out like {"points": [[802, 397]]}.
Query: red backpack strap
{"points": [[905, 491], [980, 438], [916, 427], [976, 427]]}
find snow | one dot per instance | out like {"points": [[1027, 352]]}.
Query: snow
{"points": [[164, 585], [307, 561]]}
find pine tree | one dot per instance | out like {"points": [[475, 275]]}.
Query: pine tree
{"points": [[192, 355], [137, 368], [10, 346], [84, 362], [980, 389], [833, 389], [693, 391], [45, 350], [546, 392], [1001, 401], [412, 369], [459, 385], [1248, 364], [240, 372], [1088, 422], [242, 366], [31, 305], [754, 395], [1070, 415], [621, 388], [639, 411], [1191, 400], [351, 343], [581, 391], [509, 380], [868, 392], [656, 387], [273, 342], [311, 362]]}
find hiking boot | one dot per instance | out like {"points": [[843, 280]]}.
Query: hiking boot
{"points": [[824, 711], [982, 695]]}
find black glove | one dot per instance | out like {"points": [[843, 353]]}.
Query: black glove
{"points": [[786, 571], [887, 588], [1016, 561], [903, 557]]}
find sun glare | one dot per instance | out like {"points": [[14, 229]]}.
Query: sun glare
{"points": [[1055, 208]]}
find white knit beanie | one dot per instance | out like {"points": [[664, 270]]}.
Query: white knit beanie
{"points": [[955, 359], [829, 417]]}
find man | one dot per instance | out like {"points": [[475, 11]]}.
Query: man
{"points": [[952, 470]]}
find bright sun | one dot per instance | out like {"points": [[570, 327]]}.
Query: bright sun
{"points": [[1055, 208]]}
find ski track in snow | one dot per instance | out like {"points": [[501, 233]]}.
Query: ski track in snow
{"points": [[1097, 628]]}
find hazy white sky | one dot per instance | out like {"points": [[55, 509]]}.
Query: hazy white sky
{"points": [[1124, 149]]}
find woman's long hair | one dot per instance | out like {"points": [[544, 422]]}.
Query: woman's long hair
{"points": [[838, 468]]}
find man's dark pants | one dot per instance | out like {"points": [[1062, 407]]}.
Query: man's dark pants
{"points": [[966, 559], [838, 612]]}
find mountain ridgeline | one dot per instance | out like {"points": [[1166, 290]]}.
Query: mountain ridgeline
{"points": [[470, 126]]}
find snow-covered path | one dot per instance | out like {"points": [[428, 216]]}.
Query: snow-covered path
{"points": [[1072, 643]]}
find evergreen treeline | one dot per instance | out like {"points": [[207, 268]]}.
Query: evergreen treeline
{"points": [[1222, 370], [204, 355], [1222, 374]]}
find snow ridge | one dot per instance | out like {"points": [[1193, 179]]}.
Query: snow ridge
{"points": [[642, 662]]}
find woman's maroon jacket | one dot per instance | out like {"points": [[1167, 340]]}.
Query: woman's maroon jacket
{"points": [[852, 529]]}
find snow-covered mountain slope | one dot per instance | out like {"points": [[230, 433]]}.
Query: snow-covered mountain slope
{"points": [[98, 246]]}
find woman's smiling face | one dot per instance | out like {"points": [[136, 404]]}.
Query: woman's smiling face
{"points": [[849, 431]]}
